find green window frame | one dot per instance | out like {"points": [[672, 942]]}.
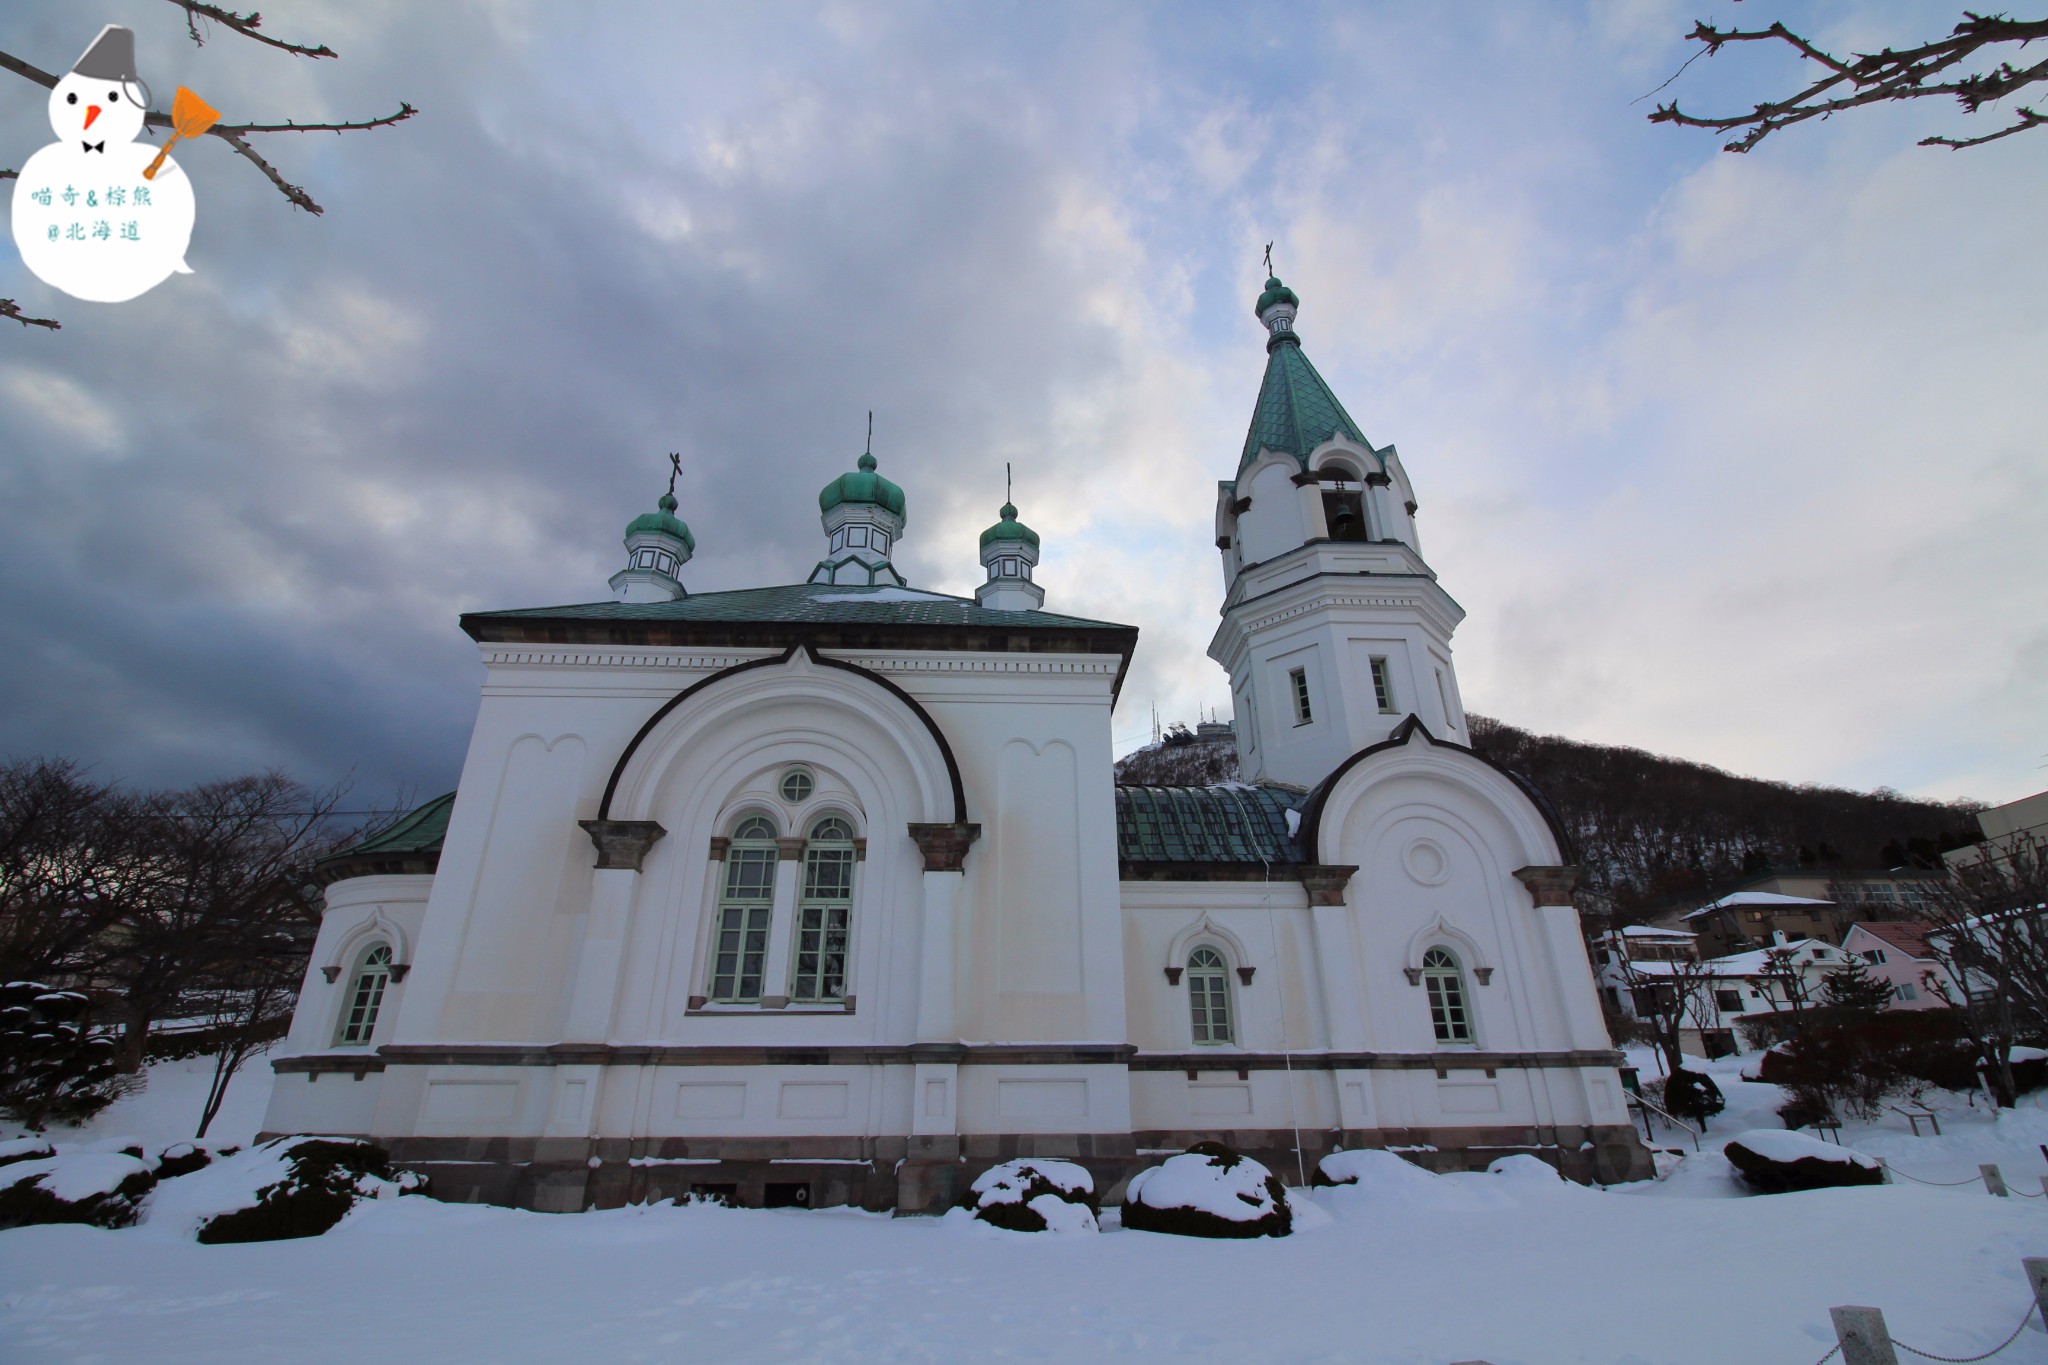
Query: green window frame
{"points": [[1444, 979], [739, 956], [1209, 998], [365, 997], [824, 914]]}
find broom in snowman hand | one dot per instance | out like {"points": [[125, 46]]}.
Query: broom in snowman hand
{"points": [[191, 116]]}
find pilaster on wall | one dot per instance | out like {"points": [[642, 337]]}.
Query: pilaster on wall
{"points": [[622, 847]]}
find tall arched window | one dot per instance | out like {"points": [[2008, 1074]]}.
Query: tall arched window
{"points": [[1445, 981], [741, 952], [824, 913], [1209, 996], [365, 997]]}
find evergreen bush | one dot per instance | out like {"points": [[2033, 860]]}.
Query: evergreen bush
{"points": [[1693, 1095], [102, 1189], [1208, 1191], [327, 1177], [1014, 1195]]}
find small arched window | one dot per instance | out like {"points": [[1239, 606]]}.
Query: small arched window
{"points": [[1445, 981], [365, 997], [748, 899], [824, 913], [1209, 996]]}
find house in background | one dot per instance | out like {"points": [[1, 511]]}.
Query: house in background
{"points": [[1743, 920], [1789, 974], [1896, 951]]}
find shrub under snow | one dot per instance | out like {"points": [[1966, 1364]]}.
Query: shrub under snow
{"points": [[100, 1188], [1387, 1177], [1774, 1162], [1208, 1191], [288, 1187], [1032, 1194]]}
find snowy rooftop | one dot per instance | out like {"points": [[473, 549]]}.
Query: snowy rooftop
{"points": [[1756, 898]]}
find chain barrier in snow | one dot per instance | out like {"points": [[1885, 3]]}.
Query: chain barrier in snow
{"points": [[1942, 1184], [2025, 1318]]}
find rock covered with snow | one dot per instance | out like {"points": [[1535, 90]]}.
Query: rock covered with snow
{"points": [[1378, 1175], [1034, 1194], [285, 1188], [1208, 1191], [104, 1189], [1775, 1161]]}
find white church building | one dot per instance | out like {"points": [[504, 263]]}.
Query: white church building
{"points": [[825, 893]]}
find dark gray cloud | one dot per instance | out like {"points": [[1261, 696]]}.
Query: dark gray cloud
{"points": [[239, 516]]}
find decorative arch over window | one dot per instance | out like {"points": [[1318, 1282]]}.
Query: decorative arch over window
{"points": [[1440, 932], [1450, 1010], [1209, 998], [376, 927], [1183, 945], [365, 997]]}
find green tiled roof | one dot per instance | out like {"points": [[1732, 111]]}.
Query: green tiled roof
{"points": [[412, 845], [1296, 411], [808, 602], [1234, 824]]}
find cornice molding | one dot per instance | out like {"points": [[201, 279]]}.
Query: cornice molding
{"points": [[666, 660]]}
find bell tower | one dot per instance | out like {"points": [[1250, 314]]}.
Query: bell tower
{"points": [[1334, 627]]}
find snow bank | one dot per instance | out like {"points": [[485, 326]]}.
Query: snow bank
{"points": [[1382, 1176], [1035, 1195], [1526, 1169], [1208, 1191], [23, 1149]]}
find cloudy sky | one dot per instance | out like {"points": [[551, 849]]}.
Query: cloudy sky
{"points": [[1734, 458]]}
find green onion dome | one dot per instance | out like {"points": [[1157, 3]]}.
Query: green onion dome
{"points": [[664, 522], [1009, 529], [862, 486], [1276, 292]]}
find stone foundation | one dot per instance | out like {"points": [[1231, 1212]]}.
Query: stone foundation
{"points": [[928, 1174]]}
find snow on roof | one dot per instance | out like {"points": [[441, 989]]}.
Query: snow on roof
{"points": [[1753, 898], [1756, 962], [1910, 939], [1645, 931]]}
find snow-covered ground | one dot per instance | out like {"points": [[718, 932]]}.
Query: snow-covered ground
{"points": [[1501, 1268]]}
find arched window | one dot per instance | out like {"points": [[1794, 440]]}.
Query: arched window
{"points": [[1445, 981], [1209, 996], [365, 997], [741, 950], [824, 913]]}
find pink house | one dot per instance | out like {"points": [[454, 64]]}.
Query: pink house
{"points": [[1896, 951]]}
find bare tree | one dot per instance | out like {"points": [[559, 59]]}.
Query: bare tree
{"points": [[67, 845], [1991, 942], [1957, 66], [235, 135], [1669, 998], [227, 872]]}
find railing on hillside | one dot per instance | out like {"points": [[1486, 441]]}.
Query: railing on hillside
{"points": [[1646, 1106]]}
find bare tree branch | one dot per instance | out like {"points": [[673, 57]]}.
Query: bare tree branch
{"points": [[244, 24], [290, 191], [1878, 77], [9, 310]]}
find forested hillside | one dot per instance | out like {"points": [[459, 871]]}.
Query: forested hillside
{"points": [[1649, 828]]}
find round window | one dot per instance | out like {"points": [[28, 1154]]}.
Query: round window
{"points": [[797, 785]]}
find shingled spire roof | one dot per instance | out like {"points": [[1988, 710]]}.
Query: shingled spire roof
{"points": [[1296, 411]]}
